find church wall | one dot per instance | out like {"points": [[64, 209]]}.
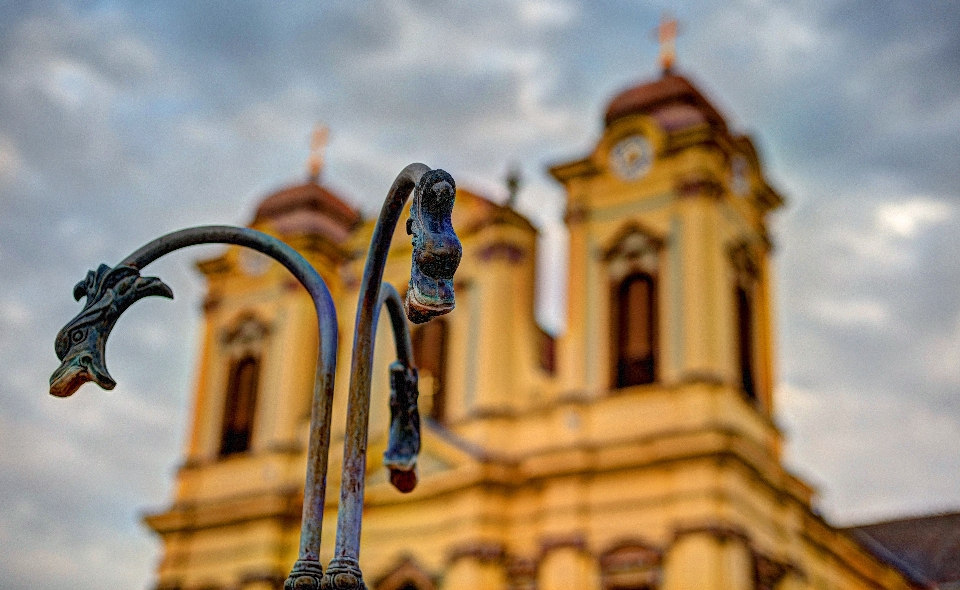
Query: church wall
{"points": [[533, 481]]}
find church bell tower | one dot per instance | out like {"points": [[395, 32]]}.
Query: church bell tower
{"points": [[669, 272]]}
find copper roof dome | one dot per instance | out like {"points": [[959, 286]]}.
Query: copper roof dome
{"points": [[672, 100], [309, 209]]}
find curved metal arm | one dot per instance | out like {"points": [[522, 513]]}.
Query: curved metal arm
{"points": [[404, 442], [436, 255], [81, 343]]}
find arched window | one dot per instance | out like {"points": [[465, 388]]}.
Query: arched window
{"points": [[242, 344], [745, 337], [635, 321], [630, 566], [240, 405], [430, 356], [636, 330], [746, 272], [633, 263]]}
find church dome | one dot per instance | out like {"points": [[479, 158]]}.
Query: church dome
{"points": [[672, 100], [310, 209]]}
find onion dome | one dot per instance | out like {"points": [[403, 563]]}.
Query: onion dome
{"points": [[672, 101], [309, 209]]}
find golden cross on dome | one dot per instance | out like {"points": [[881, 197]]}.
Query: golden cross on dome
{"points": [[667, 34], [318, 148]]}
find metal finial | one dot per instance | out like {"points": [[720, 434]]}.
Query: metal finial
{"points": [[318, 148], [666, 33], [513, 181]]}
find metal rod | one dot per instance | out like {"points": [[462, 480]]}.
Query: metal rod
{"points": [[104, 312], [81, 346], [344, 570], [436, 255], [403, 445], [390, 298]]}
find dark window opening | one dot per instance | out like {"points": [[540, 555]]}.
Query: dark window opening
{"points": [[631, 567], [745, 336], [240, 405], [635, 325], [547, 350], [430, 356]]}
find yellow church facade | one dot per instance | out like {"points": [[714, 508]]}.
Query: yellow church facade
{"points": [[637, 451]]}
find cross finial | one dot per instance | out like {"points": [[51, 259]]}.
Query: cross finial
{"points": [[513, 181], [667, 34], [318, 148]]}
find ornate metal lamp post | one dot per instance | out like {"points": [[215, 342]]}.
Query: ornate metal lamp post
{"points": [[109, 292]]}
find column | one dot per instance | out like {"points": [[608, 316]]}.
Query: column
{"points": [[476, 567], [567, 567], [708, 559]]}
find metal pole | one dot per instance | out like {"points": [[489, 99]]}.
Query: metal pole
{"points": [[81, 345], [109, 292], [436, 255]]}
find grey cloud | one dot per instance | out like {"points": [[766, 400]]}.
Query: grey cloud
{"points": [[182, 113]]}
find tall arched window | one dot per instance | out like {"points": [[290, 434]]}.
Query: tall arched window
{"points": [[746, 273], [745, 337], [242, 346], [430, 356], [636, 321], [632, 266], [240, 406]]}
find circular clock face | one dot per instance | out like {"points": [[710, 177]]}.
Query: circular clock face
{"points": [[632, 157]]}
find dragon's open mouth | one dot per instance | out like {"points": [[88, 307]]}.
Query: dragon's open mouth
{"points": [[74, 372], [428, 298]]}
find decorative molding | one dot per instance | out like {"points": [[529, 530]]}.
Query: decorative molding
{"points": [[290, 447], [631, 241], [246, 329], [406, 571], [630, 550], [575, 541], [702, 378], [285, 504], [721, 531], [700, 183], [630, 564], [482, 551], [502, 250], [577, 169]]}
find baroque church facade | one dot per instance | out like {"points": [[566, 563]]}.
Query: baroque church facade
{"points": [[637, 451]]}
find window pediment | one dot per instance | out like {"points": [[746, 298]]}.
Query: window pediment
{"points": [[406, 575], [245, 331], [633, 249]]}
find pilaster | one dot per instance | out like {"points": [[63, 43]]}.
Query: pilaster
{"points": [[708, 559]]}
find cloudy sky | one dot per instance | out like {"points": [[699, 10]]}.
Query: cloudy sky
{"points": [[121, 120]]}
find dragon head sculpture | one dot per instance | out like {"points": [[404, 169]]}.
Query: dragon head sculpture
{"points": [[436, 248], [80, 345]]}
